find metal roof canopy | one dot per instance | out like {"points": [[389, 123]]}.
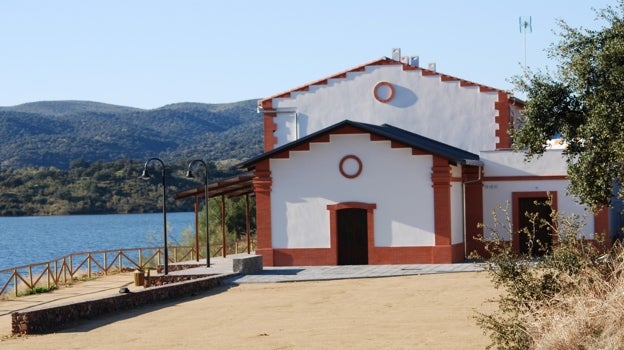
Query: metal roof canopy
{"points": [[232, 187]]}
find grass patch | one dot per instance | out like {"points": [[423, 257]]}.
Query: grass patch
{"points": [[38, 290]]}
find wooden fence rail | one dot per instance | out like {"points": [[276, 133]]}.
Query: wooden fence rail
{"points": [[86, 265]]}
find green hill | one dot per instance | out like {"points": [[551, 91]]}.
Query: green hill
{"points": [[54, 133]]}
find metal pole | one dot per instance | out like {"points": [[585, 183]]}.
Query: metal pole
{"points": [[190, 174], [207, 229], [223, 225], [164, 183], [145, 176], [196, 231], [247, 222]]}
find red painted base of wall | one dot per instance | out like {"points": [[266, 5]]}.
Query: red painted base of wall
{"points": [[376, 256]]}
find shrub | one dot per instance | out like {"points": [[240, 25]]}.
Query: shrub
{"points": [[552, 301]]}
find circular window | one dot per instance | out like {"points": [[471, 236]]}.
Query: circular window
{"points": [[383, 92], [350, 166]]}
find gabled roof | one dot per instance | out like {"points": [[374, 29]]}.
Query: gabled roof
{"points": [[383, 61], [385, 131]]}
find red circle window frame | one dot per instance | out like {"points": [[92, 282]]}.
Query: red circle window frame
{"points": [[380, 85], [359, 166]]}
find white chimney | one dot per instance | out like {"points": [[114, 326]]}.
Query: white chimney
{"points": [[431, 66], [396, 54]]}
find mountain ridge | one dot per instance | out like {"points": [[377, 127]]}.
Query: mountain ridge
{"points": [[54, 133]]}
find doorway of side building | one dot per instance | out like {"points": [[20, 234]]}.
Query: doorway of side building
{"points": [[352, 236], [532, 203]]}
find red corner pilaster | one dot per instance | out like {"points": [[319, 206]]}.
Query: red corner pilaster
{"points": [[262, 183], [473, 208], [441, 181], [269, 125], [503, 120]]}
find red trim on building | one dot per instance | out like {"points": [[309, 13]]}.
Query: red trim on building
{"points": [[376, 256], [303, 257], [347, 158], [333, 224], [384, 61], [380, 86], [441, 182], [416, 255], [525, 178], [262, 183], [502, 105], [503, 120], [473, 209], [269, 132]]}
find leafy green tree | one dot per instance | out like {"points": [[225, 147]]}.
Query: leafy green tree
{"points": [[583, 102], [235, 224]]}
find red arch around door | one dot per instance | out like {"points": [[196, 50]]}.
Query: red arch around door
{"points": [[333, 224]]}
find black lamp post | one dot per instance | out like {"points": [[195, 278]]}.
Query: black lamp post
{"points": [[189, 173], [146, 176]]}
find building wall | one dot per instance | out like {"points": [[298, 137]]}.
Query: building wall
{"points": [[498, 194], [398, 182], [457, 213], [506, 172], [461, 116], [509, 163]]}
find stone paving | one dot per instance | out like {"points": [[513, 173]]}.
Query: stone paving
{"points": [[315, 273]]}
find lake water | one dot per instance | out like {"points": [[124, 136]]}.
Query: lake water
{"points": [[33, 239]]}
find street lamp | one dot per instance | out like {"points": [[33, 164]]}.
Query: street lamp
{"points": [[189, 174], [146, 176]]}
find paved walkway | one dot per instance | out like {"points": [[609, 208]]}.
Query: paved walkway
{"points": [[315, 273], [110, 285]]}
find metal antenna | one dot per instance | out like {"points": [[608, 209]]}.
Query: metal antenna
{"points": [[525, 26]]}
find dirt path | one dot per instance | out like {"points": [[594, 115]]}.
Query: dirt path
{"points": [[412, 312]]}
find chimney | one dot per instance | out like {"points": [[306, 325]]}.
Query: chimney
{"points": [[431, 66], [412, 60], [396, 54]]}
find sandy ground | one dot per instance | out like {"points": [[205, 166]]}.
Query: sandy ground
{"points": [[410, 312]]}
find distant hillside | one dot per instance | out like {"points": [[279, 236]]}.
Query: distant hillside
{"points": [[54, 133]]}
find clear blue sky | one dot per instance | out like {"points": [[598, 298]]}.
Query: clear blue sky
{"points": [[149, 53]]}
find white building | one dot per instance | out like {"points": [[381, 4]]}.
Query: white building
{"points": [[391, 163]]}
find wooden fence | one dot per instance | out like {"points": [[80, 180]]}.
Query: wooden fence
{"points": [[86, 265]]}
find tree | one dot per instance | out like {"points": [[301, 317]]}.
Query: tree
{"points": [[583, 103]]}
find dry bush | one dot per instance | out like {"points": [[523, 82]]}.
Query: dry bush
{"points": [[590, 315], [569, 298]]}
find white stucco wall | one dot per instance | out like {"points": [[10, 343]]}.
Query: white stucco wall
{"points": [[509, 163], [457, 213], [393, 179], [459, 116]]}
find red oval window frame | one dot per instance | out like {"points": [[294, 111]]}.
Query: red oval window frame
{"points": [[346, 158], [380, 85]]}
